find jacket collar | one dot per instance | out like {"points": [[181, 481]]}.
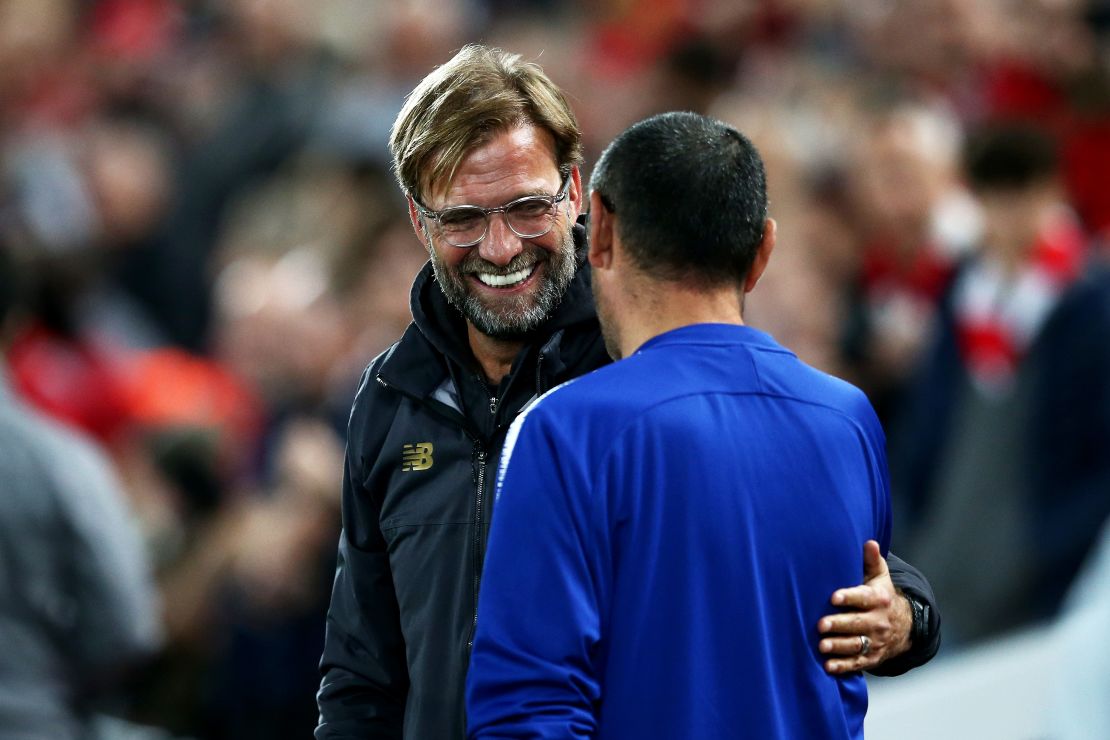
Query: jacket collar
{"points": [[713, 334], [417, 364]]}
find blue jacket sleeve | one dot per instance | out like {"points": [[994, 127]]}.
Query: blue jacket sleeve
{"points": [[365, 676], [533, 670]]}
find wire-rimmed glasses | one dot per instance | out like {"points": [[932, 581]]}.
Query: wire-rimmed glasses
{"points": [[529, 217]]}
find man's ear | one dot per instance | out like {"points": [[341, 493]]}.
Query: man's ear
{"points": [[602, 224], [762, 255], [417, 224], [574, 194]]}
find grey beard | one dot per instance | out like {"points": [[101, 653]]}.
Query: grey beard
{"points": [[520, 317], [512, 323]]}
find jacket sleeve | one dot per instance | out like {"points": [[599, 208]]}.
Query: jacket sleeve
{"points": [[911, 581], [532, 672], [364, 672]]}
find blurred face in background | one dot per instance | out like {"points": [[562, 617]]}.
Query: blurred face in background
{"points": [[129, 174], [1014, 218], [902, 176], [278, 324], [505, 285]]}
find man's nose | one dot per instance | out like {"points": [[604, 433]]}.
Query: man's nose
{"points": [[501, 244]]}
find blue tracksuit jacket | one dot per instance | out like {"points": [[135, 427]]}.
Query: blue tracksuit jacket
{"points": [[667, 534]]}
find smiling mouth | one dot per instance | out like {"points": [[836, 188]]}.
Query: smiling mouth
{"points": [[510, 280]]}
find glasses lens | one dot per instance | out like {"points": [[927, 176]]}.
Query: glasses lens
{"points": [[463, 225], [531, 216]]}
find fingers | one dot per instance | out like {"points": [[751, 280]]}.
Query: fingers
{"points": [[849, 646], [875, 626], [838, 666], [862, 597], [848, 656], [871, 617], [874, 564], [877, 589]]}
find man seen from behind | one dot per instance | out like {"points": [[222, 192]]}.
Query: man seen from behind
{"points": [[667, 527]]}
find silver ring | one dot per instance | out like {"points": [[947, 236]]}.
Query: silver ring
{"points": [[864, 644]]}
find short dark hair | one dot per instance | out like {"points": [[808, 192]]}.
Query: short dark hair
{"points": [[691, 197], [1009, 156]]}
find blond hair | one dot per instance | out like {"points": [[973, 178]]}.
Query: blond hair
{"points": [[480, 92]]}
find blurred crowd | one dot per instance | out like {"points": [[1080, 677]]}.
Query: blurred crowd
{"points": [[210, 247]]}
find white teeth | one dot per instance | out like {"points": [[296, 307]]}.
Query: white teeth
{"points": [[502, 281]]}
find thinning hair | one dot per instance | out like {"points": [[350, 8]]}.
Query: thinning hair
{"points": [[690, 196], [462, 104]]}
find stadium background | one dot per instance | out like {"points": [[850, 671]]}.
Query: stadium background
{"points": [[200, 193]]}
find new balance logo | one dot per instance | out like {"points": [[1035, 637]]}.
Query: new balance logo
{"points": [[416, 456]]}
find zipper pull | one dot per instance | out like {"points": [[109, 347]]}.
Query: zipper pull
{"points": [[493, 404]]}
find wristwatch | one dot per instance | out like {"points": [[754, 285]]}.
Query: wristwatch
{"points": [[919, 629]]}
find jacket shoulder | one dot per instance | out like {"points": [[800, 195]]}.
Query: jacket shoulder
{"points": [[374, 404]]}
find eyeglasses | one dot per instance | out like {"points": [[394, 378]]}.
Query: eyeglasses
{"points": [[528, 217]]}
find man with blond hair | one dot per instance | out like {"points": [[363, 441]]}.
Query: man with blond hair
{"points": [[487, 152]]}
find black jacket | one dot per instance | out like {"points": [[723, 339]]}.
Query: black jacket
{"points": [[423, 441]]}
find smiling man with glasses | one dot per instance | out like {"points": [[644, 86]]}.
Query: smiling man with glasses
{"points": [[506, 275], [487, 153]]}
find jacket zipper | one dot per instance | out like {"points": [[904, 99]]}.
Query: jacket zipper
{"points": [[479, 493], [480, 489]]}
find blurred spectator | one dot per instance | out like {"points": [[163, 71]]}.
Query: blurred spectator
{"points": [[83, 320], [266, 77], [246, 557], [248, 447], [917, 222], [1000, 463], [932, 47], [77, 605], [691, 76], [1048, 70]]}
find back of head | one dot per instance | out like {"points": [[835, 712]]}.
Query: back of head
{"points": [[477, 94], [690, 197]]}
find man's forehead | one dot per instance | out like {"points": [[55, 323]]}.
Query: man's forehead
{"points": [[520, 156]]}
